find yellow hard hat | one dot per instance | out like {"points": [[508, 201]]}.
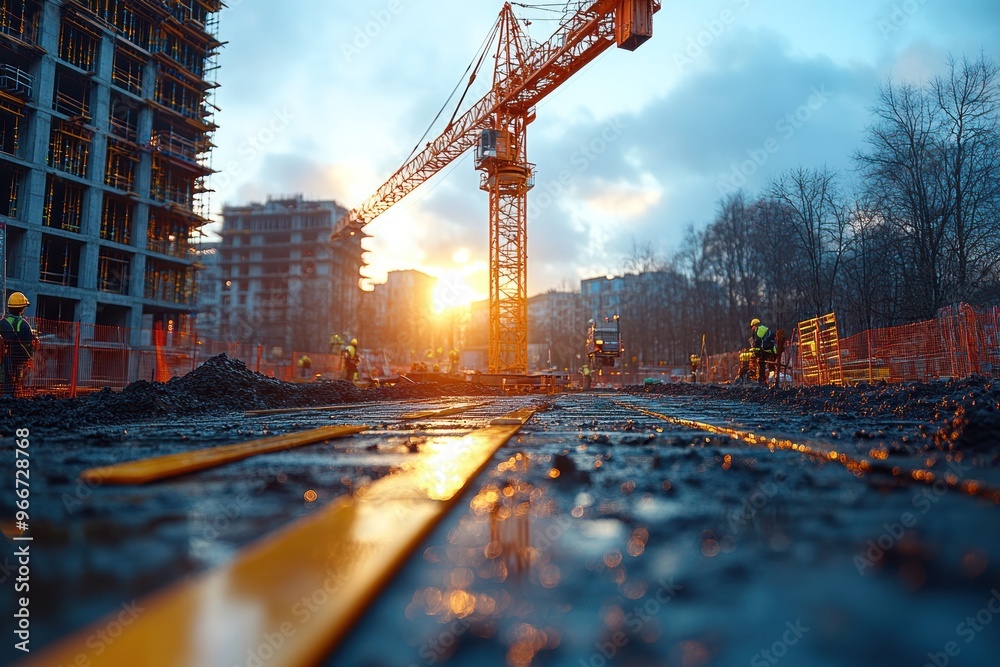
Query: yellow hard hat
{"points": [[18, 300], [354, 341], [754, 322]]}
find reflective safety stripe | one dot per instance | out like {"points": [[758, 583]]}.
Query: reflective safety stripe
{"points": [[289, 599], [171, 465]]}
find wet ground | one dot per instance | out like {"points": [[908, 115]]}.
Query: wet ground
{"points": [[602, 534]]}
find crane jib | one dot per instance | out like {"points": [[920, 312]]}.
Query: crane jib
{"points": [[583, 37]]}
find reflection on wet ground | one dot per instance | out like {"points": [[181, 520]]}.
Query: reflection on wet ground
{"points": [[604, 536], [601, 535]]}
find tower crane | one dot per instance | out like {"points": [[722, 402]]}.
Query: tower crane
{"points": [[495, 126]]}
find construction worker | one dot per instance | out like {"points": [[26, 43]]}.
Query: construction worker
{"points": [[19, 344], [305, 365], [763, 347], [336, 344], [351, 361], [453, 361], [746, 357], [586, 377], [695, 363]]}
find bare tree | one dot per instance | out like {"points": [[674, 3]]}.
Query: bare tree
{"points": [[969, 100], [729, 248], [902, 167], [818, 228]]}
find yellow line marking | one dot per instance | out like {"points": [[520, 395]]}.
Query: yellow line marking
{"points": [[171, 465], [287, 600], [816, 451], [443, 412], [315, 408], [338, 406]]}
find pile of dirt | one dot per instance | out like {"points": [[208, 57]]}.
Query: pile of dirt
{"points": [[939, 415], [926, 401], [220, 385]]}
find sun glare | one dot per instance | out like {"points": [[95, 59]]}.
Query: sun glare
{"points": [[454, 291]]}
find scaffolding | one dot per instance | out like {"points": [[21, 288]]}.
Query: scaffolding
{"points": [[19, 19], [123, 121], [15, 81], [113, 270], [120, 167], [69, 148], [173, 283], [60, 261], [63, 207], [78, 43], [116, 219], [11, 118], [127, 69], [171, 185], [126, 18], [168, 234], [10, 184], [72, 96]]}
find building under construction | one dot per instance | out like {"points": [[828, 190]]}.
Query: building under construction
{"points": [[105, 133], [284, 284]]}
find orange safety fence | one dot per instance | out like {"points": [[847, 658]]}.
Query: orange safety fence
{"points": [[962, 340], [74, 358]]}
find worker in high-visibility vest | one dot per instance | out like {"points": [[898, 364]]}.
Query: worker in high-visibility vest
{"points": [[763, 346], [19, 344], [695, 364], [351, 361], [305, 365]]}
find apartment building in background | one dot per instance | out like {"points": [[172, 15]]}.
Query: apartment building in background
{"points": [[105, 133], [284, 284]]}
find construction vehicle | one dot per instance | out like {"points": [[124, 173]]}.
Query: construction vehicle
{"points": [[604, 343], [525, 72]]}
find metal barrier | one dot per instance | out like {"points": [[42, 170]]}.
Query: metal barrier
{"points": [[961, 341], [819, 357]]}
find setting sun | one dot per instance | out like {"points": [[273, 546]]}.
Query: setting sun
{"points": [[455, 289]]}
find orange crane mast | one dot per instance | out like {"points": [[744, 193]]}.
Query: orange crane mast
{"points": [[525, 72]]}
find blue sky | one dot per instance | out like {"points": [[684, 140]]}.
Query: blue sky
{"points": [[327, 99]]}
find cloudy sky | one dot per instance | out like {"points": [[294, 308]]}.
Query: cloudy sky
{"points": [[328, 98]]}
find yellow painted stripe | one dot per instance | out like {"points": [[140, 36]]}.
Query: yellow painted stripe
{"points": [[338, 406], [826, 452], [171, 465], [315, 408], [289, 599], [443, 412]]}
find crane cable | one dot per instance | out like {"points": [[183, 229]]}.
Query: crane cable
{"points": [[480, 53]]}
